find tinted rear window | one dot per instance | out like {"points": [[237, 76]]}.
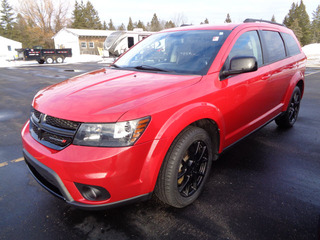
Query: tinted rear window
{"points": [[291, 44], [275, 46]]}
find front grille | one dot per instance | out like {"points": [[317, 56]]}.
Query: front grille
{"points": [[61, 123], [36, 113], [55, 133]]}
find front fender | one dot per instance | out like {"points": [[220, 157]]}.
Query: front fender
{"points": [[170, 130], [189, 114]]}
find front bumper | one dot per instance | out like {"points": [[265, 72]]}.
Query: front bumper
{"points": [[121, 171]]}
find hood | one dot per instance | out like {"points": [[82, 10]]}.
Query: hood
{"points": [[104, 95]]}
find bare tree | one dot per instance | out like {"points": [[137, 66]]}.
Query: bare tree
{"points": [[179, 19], [47, 15]]}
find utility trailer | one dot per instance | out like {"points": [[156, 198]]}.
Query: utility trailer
{"points": [[44, 55]]}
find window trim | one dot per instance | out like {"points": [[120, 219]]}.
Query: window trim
{"points": [[264, 46], [85, 43], [286, 45], [90, 44]]}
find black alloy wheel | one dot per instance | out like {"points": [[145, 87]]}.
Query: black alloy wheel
{"points": [[192, 168], [185, 168]]}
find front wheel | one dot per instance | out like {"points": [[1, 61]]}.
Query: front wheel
{"points": [[185, 168], [289, 117]]}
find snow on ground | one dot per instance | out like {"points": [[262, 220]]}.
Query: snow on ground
{"points": [[313, 54], [74, 59]]}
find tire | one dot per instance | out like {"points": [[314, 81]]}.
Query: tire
{"points": [[49, 60], [59, 59], [289, 117], [185, 169], [41, 61]]}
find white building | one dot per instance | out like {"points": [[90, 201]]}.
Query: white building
{"points": [[7, 48], [82, 41]]}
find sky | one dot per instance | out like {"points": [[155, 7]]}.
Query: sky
{"points": [[195, 11], [192, 11]]}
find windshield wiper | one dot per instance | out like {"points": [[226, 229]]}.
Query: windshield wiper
{"points": [[150, 68]]}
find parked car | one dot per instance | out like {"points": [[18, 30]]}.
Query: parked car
{"points": [[155, 120]]}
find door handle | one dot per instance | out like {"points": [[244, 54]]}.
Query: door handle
{"points": [[266, 77]]}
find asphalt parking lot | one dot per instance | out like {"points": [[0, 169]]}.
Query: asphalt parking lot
{"points": [[265, 187]]}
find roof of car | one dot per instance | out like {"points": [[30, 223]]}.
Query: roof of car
{"points": [[228, 26]]}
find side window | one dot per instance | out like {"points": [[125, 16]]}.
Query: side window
{"points": [[275, 46], [83, 45], [291, 44], [130, 42], [248, 44]]}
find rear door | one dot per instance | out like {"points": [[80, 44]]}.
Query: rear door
{"points": [[282, 68]]}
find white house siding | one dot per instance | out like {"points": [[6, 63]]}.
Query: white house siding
{"points": [[7, 48], [65, 39], [73, 38]]}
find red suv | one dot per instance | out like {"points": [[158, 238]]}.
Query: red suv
{"points": [[154, 121]]}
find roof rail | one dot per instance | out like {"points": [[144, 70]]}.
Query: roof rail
{"points": [[250, 20]]}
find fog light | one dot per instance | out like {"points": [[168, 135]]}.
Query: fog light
{"points": [[93, 193]]}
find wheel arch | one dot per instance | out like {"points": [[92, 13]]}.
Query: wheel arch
{"points": [[297, 80], [202, 115]]}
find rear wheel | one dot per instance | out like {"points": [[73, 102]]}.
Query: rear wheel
{"points": [[49, 60], [185, 168], [41, 61], [289, 117], [59, 59]]}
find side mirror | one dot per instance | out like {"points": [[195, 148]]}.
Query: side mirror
{"points": [[240, 65]]}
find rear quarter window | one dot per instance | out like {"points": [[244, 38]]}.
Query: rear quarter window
{"points": [[291, 44], [275, 47]]}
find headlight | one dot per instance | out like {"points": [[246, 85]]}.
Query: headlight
{"points": [[118, 134]]}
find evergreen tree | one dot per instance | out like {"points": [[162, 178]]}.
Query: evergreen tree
{"points": [[228, 19], [92, 17], [23, 32], [289, 18], [7, 19], [104, 27], [85, 16], [78, 16], [316, 25], [206, 21], [122, 27], [111, 26], [273, 19], [295, 27], [155, 25], [169, 24], [130, 25], [298, 20], [304, 23], [141, 25]]}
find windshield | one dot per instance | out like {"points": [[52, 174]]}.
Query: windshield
{"points": [[182, 52]]}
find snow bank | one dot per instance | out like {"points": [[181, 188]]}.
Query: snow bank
{"points": [[74, 59], [313, 54]]}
